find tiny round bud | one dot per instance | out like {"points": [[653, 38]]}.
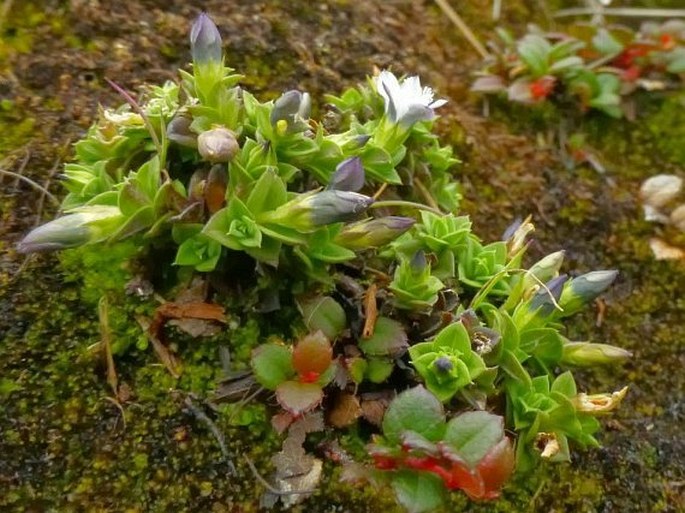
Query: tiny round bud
{"points": [[217, 145]]}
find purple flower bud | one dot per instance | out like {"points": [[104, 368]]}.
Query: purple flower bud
{"points": [[336, 206], [217, 145], [418, 262], [294, 108], [348, 176], [178, 131], [443, 365], [373, 233], [205, 40], [542, 302], [71, 230], [583, 289], [308, 211]]}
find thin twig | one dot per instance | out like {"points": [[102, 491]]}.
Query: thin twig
{"points": [[112, 379], [119, 406], [33, 184], [425, 193], [380, 191], [370, 311], [628, 12], [463, 27], [269, 486], [214, 430]]}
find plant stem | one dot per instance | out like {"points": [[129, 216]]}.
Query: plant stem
{"points": [[408, 204]]}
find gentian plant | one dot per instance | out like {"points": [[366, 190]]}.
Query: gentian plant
{"points": [[345, 235]]}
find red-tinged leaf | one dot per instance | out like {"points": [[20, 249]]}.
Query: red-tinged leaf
{"points": [[496, 468], [312, 356], [282, 421], [298, 398]]}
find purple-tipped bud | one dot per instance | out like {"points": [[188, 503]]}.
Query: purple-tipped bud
{"points": [[294, 108], [443, 365], [348, 176], [217, 145], [178, 131], [71, 230], [418, 262], [542, 301], [205, 40], [583, 289], [309, 211], [373, 233]]}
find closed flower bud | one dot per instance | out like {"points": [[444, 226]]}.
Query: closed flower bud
{"points": [[599, 403], [443, 365], [373, 233], [348, 176], [548, 267], [516, 234], [658, 190], [205, 41], [217, 145], [178, 131], [585, 288], [588, 353], [293, 108], [308, 211], [543, 301], [72, 230]]}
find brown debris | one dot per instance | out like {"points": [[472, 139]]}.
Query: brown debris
{"points": [[370, 311]]}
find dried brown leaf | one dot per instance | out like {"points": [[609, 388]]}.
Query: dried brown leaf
{"points": [[346, 410]]}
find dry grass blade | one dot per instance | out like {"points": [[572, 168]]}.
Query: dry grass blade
{"points": [[30, 182], [103, 313], [370, 311], [629, 12], [463, 27]]}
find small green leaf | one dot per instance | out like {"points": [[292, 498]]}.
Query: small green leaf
{"points": [[297, 397], [388, 339], [473, 434], [416, 410], [323, 313], [418, 491], [272, 365], [377, 370]]}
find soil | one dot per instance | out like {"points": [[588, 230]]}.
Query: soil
{"points": [[64, 446]]}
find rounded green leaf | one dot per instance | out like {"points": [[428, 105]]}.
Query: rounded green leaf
{"points": [[473, 434], [416, 410], [272, 365]]}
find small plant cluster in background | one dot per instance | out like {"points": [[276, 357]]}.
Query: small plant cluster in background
{"points": [[397, 315], [588, 66]]}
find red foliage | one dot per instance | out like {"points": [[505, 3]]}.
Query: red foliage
{"points": [[484, 481], [542, 87]]}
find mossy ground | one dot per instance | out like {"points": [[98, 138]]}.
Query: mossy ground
{"points": [[64, 446]]}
